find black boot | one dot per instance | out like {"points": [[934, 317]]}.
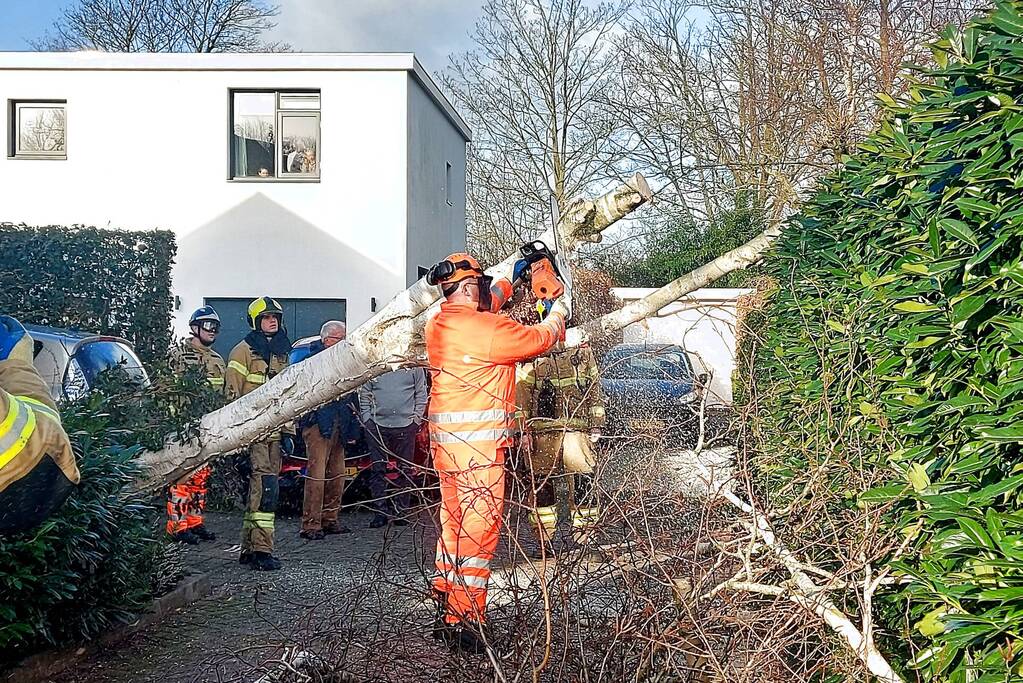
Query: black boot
{"points": [[265, 562], [186, 537], [203, 534], [462, 638], [378, 521], [245, 557]]}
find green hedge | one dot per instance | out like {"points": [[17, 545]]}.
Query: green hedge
{"points": [[889, 390], [103, 556], [108, 281]]}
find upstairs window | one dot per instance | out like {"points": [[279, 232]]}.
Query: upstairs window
{"points": [[38, 129], [275, 135]]}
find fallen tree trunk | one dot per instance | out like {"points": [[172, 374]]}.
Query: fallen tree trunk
{"points": [[391, 338]]}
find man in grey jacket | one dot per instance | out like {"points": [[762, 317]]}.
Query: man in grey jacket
{"points": [[393, 406]]}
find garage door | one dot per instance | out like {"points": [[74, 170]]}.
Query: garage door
{"points": [[302, 317]]}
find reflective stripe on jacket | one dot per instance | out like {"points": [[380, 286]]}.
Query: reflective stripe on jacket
{"points": [[573, 378], [247, 371], [472, 357], [30, 427], [186, 355]]}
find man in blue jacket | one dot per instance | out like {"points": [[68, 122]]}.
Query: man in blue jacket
{"points": [[327, 432]]}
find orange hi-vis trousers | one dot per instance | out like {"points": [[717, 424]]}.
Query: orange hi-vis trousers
{"points": [[472, 500], [186, 502]]}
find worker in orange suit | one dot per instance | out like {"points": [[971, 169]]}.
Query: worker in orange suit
{"points": [[472, 354]]}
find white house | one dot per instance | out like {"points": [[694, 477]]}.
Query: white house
{"points": [[702, 322], [327, 181]]}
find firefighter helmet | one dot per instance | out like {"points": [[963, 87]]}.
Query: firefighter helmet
{"points": [[203, 314], [264, 305], [454, 268]]}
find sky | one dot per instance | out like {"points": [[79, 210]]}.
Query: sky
{"points": [[432, 29]]}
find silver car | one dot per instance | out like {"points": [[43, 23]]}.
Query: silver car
{"points": [[70, 362]]}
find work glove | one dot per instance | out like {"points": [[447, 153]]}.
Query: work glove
{"points": [[287, 444], [520, 270], [14, 340], [562, 307]]}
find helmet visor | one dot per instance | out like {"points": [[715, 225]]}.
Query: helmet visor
{"points": [[209, 325]]}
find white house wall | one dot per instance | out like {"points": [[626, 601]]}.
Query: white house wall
{"points": [[703, 323], [149, 149], [436, 226]]}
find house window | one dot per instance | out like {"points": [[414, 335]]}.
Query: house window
{"points": [[447, 182], [275, 135], [38, 129]]}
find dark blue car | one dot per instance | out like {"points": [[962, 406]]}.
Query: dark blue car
{"points": [[651, 389]]}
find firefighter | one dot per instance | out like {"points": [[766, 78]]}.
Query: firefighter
{"points": [[260, 356], [37, 466], [472, 354], [186, 501], [561, 401]]}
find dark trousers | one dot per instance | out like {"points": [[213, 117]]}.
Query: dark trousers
{"points": [[385, 443]]}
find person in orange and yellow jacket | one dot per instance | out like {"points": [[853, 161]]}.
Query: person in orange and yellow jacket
{"points": [[186, 501], [562, 407], [37, 466], [472, 355], [257, 358]]}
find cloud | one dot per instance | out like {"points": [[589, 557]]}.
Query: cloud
{"points": [[432, 29]]}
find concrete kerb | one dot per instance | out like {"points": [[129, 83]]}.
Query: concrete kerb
{"points": [[43, 666]]}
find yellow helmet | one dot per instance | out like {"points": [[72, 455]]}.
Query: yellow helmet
{"points": [[264, 305]]}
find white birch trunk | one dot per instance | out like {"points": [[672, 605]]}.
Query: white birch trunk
{"points": [[391, 338]]}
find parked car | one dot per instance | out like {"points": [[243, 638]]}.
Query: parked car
{"points": [[70, 362], [652, 389]]}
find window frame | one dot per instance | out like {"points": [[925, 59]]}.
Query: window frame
{"points": [[279, 114], [14, 107]]}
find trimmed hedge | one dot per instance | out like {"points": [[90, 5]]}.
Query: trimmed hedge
{"points": [[108, 281], [889, 384], [102, 557]]}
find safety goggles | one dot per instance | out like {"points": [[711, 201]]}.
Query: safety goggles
{"points": [[209, 325]]}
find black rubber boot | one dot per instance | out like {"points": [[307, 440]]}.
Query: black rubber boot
{"points": [[186, 537], [203, 534], [463, 638], [312, 535], [265, 562], [245, 557]]}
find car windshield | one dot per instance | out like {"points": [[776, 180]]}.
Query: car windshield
{"points": [[93, 358], [668, 363]]}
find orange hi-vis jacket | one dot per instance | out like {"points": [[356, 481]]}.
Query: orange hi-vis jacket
{"points": [[472, 357]]}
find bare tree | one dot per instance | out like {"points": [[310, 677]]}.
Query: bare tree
{"points": [[747, 102], [164, 26], [533, 90]]}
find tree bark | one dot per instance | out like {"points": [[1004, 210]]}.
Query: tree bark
{"points": [[741, 257], [390, 339]]}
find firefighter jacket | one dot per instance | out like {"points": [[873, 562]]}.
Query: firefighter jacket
{"points": [[253, 362], [472, 357], [561, 392], [188, 354], [37, 465]]}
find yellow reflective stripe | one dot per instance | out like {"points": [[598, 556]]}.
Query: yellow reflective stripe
{"points": [[41, 407], [15, 430], [215, 381], [258, 520], [255, 378], [238, 367]]}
